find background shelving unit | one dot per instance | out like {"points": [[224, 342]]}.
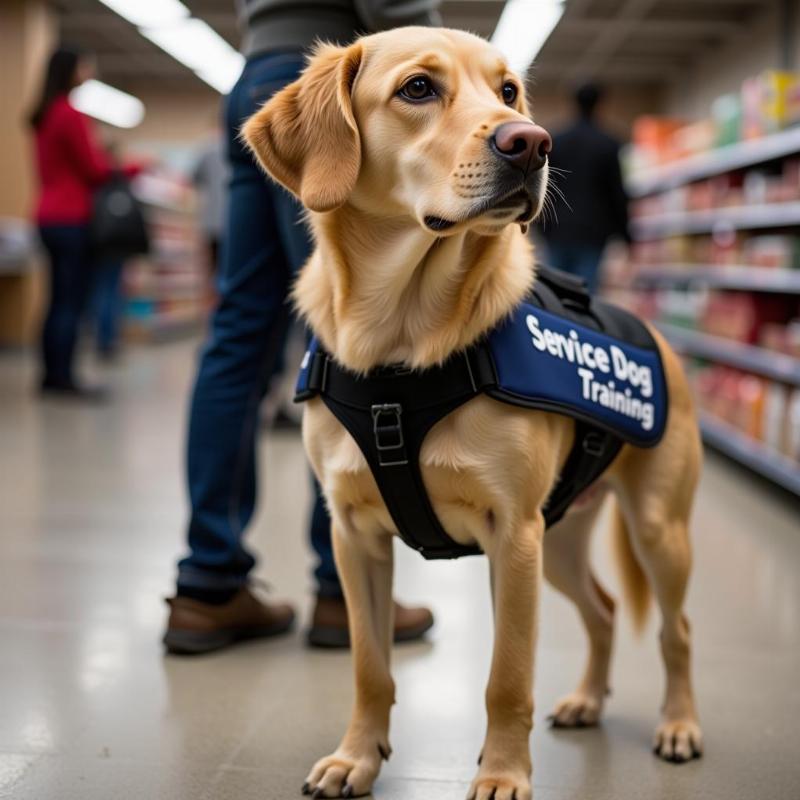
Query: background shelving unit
{"points": [[724, 159], [660, 192], [738, 278], [751, 453], [167, 290]]}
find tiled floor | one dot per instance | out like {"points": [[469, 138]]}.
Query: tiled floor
{"points": [[92, 509]]}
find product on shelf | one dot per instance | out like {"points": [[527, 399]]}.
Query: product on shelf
{"points": [[766, 411], [768, 103]]}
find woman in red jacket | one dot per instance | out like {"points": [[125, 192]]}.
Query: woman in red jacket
{"points": [[71, 165]]}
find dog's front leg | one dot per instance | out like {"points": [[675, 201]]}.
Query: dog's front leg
{"points": [[505, 763], [366, 576]]}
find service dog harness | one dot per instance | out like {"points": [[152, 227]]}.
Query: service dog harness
{"points": [[560, 351]]}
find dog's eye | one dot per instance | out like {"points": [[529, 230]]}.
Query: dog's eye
{"points": [[418, 88], [510, 92]]}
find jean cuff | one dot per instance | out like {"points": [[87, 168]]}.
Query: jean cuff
{"points": [[203, 579]]}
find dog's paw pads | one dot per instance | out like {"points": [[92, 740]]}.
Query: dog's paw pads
{"points": [[576, 710], [343, 775], [678, 741], [500, 787]]}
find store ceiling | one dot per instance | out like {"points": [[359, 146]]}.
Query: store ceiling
{"points": [[641, 41], [617, 41]]}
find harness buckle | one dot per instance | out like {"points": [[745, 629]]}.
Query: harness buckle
{"points": [[388, 430], [594, 444]]}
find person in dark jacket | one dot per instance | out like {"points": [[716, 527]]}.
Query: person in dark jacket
{"points": [[594, 207], [264, 246]]}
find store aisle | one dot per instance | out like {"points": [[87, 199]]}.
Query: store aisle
{"points": [[91, 512]]}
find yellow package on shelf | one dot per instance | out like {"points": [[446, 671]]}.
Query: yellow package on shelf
{"points": [[771, 102]]}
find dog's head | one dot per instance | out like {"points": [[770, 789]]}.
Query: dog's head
{"points": [[417, 122]]}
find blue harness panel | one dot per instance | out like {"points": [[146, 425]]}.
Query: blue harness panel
{"points": [[553, 363]]}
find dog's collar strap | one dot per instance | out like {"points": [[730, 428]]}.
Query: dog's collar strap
{"points": [[390, 410]]}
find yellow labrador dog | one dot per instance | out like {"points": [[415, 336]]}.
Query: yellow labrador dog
{"points": [[401, 147]]}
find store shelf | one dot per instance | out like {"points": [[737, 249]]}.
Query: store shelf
{"points": [[769, 215], [746, 357], [752, 454], [716, 162], [735, 278]]}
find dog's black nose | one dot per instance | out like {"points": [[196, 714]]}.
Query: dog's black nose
{"points": [[523, 144]]}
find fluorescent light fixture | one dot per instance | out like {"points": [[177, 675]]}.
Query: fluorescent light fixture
{"points": [[523, 27], [196, 45], [148, 12], [104, 102], [190, 41], [224, 73]]}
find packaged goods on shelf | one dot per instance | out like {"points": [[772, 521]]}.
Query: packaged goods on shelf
{"points": [[741, 316], [765, 411], [726, 113], [652, 140], [769, 103]]}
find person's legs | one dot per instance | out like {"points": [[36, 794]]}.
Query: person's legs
{"points": [[107, 305], [235, 366], [70, 278], [246, 334]]}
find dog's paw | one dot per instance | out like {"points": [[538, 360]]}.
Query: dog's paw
{"points": [[499, 785], [344, 774], [678, 741], [577, 710]]}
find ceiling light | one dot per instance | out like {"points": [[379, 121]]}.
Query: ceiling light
{"points": [[148, 12], [104, 102], [187, 39], [223, 74], [523, 27], [192, 42]]}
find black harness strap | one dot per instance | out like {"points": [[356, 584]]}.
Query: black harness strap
{"points": [[389, 413]]}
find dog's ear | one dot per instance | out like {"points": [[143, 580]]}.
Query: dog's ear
{"points": [[306, 135]]}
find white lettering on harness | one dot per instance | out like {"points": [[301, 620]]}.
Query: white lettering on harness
{"points": [[591, 358]]}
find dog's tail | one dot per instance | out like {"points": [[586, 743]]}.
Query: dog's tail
{"points": [[635, 588]]}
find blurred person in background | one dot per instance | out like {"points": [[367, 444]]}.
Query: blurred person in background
{"points": [[71, 164], [585, 167], [264, 246], [108, 300], [210, 177]]}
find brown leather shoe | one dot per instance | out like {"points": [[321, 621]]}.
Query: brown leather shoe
{"points": [[195, 627], [329, 623]]}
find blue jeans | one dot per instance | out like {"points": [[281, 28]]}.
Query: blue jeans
{"points": [[107, 304], [264, 246], [582, 260], [70, 280]]}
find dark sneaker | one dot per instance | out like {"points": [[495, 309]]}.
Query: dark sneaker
{"points": [[195, 627], [329, 623]]}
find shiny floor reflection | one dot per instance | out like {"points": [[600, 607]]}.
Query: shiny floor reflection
{"points": [[92, 509]]}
